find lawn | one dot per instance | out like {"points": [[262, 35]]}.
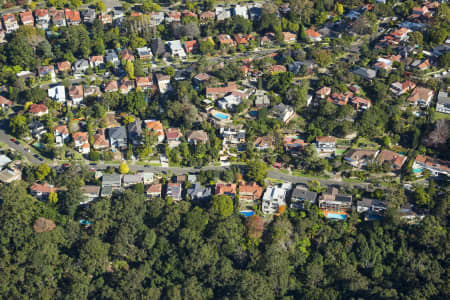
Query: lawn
{"points": [[441, 116], [274, 180]]}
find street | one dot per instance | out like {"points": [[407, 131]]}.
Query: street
{"points": [[6, 139]]}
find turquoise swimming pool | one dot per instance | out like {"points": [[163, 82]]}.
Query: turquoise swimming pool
{"points": [[336, 216], [221, 116], [417, 170]]}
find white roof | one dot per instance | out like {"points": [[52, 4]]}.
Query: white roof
{"points": [[4, 160], [57, 93], [175, 45]]}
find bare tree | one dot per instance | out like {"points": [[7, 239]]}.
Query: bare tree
{"points": [[439, 135]]}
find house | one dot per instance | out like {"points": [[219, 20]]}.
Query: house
{"points": [[37, 129], [27, 18], [313, 36], [359, 157], [421, 11], [174, 191], [242, 39], [267, 39], [323, 92], [261, 99], [163, 82], [156, 18], [72, 17], [232, 135], [191, 46], [394, 159], [222, 13], [249, 194], [443, 103], [47, 71], [42, 191], [229, 102], [207, 16], [173, 136], [293, 144], [201, 78], [395, 37], [61, 134], [361, 103], [100, 142], [135, 132], [81, 142], [129, 180], [144, 53], [38, 110], [89, 15], [111, 86], [301, 195], [58, 18], [5, 104], [238, 10], [154, 190], [289, 37], [400, 88], [64, 66], [215, 93], [90, 193], [155, 127], [226, 40], [176, 49], [187, 13], [8, 175], [421, 96], [105, 18], [254, 11], [300, 67], [117, 137], [126, 85], [127, 55], [228, 189], [144, 83], [340, 98], [76, 94], [80, 66], [42, 18], [147, 177], [326, 143], [112, 57], [371, 206], [365, 73], [335, 205], [173, 16], [198, 193], [283, 112], [91, 91], [274, 198], [96, 61], [276, 69], [263, 143], [197, 136], [10, 23], [435, 166], [114, 181], [383, 64], [4, 161]]}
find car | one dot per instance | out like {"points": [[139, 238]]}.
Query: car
{"points": [[13, 139], [92, 169], [66, 165], [27, 150]]}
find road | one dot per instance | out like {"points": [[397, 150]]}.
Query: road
{"points": [[6, 139]]}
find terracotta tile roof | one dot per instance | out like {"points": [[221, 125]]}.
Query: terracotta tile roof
{"points": [[61, 129], [154, 188], [253, 189], [324, 91], [42, 188], [37, 108], [111, 86], [420, 93], [126, 54], [40, 13], [312, 33], [173, 133], [325, 139], [26, 17], [229, 188], [4, 101], [76, 91], [155, 126], [288, 36], [63, 66], [80, 137], [433, 162], [277, 69], [72, 15], [399, 32], [100, 139], [396, 159], [207, 15]]}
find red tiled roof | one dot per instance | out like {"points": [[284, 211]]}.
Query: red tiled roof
{"points": [[312, 33], [326, 139], [37, 108]]}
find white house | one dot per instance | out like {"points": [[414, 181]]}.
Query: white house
{"points": [[176, 49], [229, 101], [57, 93], [274, 197]]}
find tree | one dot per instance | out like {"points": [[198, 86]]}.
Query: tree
{"points": [[43, 171], [222, 205], [19, 126], [129, 68], [323, 57], [444, 60], [256, 171], [255, 226], [170, 71], [101, 6], [53, 198], [339, 9], [123, 168]]}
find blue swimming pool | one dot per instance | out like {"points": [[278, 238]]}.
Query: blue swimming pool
{"points": [[253, 113], [336, 216], [221, 116], [247, 213], [85, 222]]}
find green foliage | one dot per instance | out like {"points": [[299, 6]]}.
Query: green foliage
{"points": [[222, 205], [256, 171]]}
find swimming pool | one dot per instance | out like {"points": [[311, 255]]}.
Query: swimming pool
{"points": [[336, 216], [247, 213], [417, 170], [221, 116]]}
